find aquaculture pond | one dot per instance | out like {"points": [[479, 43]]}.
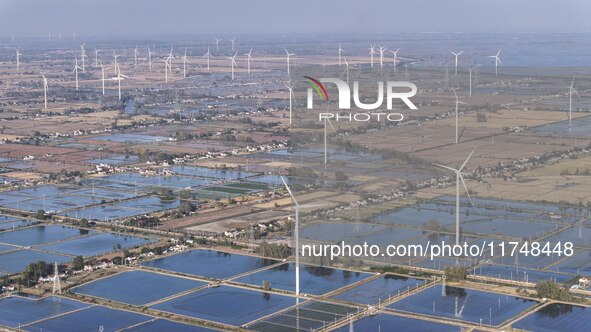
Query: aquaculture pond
{"points": [[57, 199], [464, 304], [209, 263], [309, 316], [96, 244], [581, 127], [385, 322], [557, 317], [16, 261], [579, 263], [137, 287], [41, 234], [15, 310], [338, 231], [131, 138], [210, 173], [115, 160], [14, 223], [48, 198], [313, 279], [90, 319], [124, 209], [228, 305], [519, 274], [160, 325], [578, 235], [135, 181], [379, 289]]}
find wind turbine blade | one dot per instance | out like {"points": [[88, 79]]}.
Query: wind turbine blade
{"points": [[446, 167], [455, 94], [466, 161], [331, 126], [575, 91], [289, 191], [466, 188]]}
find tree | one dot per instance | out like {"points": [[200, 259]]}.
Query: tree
{"points": [[340, 176], [273, 250], [552, 290], [34, 271], [40, 214], [78, 263], [185, 194], [455, 273], [84, 223]]}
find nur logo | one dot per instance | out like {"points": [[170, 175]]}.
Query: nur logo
{"points": [[391, 90]]}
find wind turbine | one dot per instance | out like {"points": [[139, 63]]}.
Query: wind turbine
{"points": [[395, 53], [233, 63], [372, 51], [382, 49], [248, 60], [18, 60], [185, 64], [169, 59], [457, 103], [459, 178], [340, 52], [44, 90], [296, 237], [120, 77], [570, 102], [150, 58], [456, 55], [115, 56], [472, 68], [76, 67], [83, 56], [291, 96], [346, 69], [327, 121], [96, 62], [166, 66], [288, 55], [103, 75], [217, 44], [207, 55], [232, 41], [497, 61], [135, 53]]}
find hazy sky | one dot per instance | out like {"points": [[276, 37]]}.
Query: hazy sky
{"points": [[161, 17]]}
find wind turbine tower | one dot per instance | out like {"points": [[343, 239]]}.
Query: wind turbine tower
{"points": [[207, 56], [497, 62], [571, 90], [288, 55], [456, 56], [233, 63], [459, 178], [45, 90]]}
